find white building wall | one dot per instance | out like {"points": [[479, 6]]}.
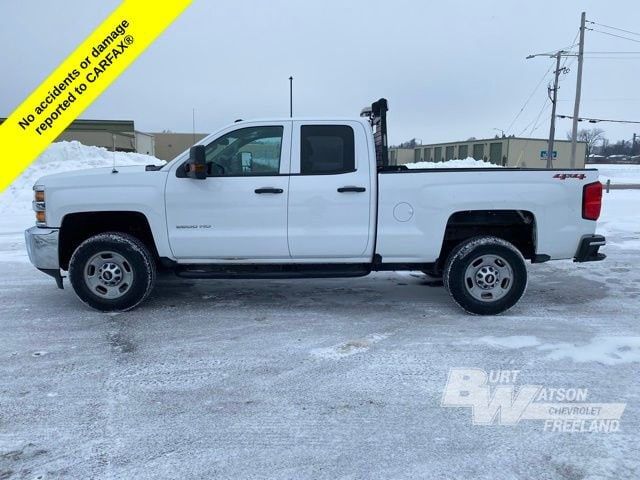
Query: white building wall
{"points": [[145, 143], [508, 151], [525, 153]]}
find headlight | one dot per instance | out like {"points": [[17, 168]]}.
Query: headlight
{"points": [[39, 205]]}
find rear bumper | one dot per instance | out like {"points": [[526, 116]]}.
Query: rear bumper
{"points": [[588, 249], [42, 247]]}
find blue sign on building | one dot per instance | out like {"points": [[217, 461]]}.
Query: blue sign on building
{"points": [[543, 154]]}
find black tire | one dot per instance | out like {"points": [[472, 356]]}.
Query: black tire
{"points": [[485, 275], [122, 255]]}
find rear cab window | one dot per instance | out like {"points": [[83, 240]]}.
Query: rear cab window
{"points": [[327, 149]]}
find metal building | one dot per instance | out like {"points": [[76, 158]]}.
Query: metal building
{"points": [[119, 135], [169, 145], [505, 151]]}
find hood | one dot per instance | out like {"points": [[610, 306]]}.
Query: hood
{"points": [[94, 176]]}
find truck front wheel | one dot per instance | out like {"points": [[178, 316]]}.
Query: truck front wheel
{"points": [[485, 275], [112, 271]]}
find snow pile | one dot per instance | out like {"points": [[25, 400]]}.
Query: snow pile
{"points": [[468, 162], [60, 157], [619, 219], [619, 173]]}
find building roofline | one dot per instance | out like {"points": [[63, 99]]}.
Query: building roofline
{"points": [[487, 140], [90, 125]]}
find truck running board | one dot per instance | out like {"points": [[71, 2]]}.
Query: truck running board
{"points": [[298, 270]]}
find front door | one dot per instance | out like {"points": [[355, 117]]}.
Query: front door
{"points": [[330, 192], [240, 210]]}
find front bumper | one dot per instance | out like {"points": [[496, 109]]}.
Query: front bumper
{"points": [[588, 249], [42, 247]]}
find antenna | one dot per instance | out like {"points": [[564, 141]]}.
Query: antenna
{"points": [[290, 96], [114, 170]]}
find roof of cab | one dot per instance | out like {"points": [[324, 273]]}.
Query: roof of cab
{"points": [[303, 119]]}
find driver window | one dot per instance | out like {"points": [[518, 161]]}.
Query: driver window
{"points": [[245, 152]]}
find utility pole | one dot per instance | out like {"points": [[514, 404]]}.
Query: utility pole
{"points": [[290, 96], [552, 129], [576, 106]]}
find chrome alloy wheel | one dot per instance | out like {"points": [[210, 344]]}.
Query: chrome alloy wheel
{"points": [[108, 275], [488, 278]]}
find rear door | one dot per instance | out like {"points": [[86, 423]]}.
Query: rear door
{"points": [[330, 191]]}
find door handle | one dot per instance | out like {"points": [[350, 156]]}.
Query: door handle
{"points": [[352, 189], [268, 190]]}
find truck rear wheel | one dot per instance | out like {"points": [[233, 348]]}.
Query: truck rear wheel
{"points": [[485, 275], [112, 271]]}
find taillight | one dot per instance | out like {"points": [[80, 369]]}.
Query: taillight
{"points": [[591, 201]]}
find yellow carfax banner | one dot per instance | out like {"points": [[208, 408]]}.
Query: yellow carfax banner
{"points": [[80, 79]]}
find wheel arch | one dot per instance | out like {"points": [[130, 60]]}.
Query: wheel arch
{"points": [[515, 226], [75, 228]]}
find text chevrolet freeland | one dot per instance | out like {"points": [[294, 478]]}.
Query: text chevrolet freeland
{"points": [[304, 197]]}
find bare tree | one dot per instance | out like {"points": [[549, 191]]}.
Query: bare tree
{"points": [[589, 135], [413, 143]]}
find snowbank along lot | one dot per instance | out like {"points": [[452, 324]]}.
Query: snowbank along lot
{"points": [[308, 378], [625, 174]]}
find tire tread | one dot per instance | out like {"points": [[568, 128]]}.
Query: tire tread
{"points": [[122, 239], [460, 252]]}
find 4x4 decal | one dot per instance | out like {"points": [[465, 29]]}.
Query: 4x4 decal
{"points": [[564, 176]]}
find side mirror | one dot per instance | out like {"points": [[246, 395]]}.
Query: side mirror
{"points": [[196, 167]]}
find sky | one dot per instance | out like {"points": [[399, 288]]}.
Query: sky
{"points": [[450, 70]]}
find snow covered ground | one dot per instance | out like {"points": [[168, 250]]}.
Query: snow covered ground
{"points": [[332, 378], [626, 174]]}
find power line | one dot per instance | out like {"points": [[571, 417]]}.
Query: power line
{"points": [[612, 55], [612, 58], [614, 35], [570, 59], [539, 124], [573, 44], [614, 28], [529, 98], [535, 126], [617, 53], [627, 99], [598, 120], [533, 123]]}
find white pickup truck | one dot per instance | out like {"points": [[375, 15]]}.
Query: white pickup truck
{"points": [[303, 197]]}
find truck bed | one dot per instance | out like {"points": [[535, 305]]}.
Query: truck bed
{"points": [[416, 205]]}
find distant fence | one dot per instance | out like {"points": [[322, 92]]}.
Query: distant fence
{"points": [[621, 186]]}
